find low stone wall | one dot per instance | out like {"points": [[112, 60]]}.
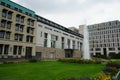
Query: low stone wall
{"points": [[54, 53]]}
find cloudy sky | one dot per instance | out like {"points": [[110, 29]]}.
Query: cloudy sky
{"points": [[75, 12]]}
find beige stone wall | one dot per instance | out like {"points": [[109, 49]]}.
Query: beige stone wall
{"points": [[47, 52], [11, 42], [77, 54], [55, 53]]}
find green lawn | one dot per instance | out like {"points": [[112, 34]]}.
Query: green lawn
{"points": [[47, 70]]}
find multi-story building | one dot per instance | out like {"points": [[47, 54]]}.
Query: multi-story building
{"points": [[55, 41], [104, 38], [17, 30]]}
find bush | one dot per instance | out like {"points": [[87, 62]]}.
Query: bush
{"points": [[114, 56], [111, 68], [78, 60], [82, 78], [32, 60], [102, 76]]}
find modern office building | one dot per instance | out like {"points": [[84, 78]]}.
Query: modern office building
{"points": [[55, 41], [17, 31], [104, 38]]}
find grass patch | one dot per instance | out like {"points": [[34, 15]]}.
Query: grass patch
{"points": [[47, 70]]}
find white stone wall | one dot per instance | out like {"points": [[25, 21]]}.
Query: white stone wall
{"points": [[41, 29]]}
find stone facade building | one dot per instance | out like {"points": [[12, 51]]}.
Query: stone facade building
{"points": [[23, 34], [55, 41], [17, 31]]}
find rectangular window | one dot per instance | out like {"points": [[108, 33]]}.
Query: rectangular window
{"points": [[28, 21], [17, 18], [6, 49], [9, 15], [4, 13], [27, 39], [21, 28], [73, 44], [16, 37], [45, 35], [63, 42], [15, 50], [31, 31], [22, 19], [53, 43], [78, 45], [3, 22], [2, 33], [9, 25], [1, 48], [7, 35], [31, 39], [45, 42], [32, 23], [17, 27], [20, 37], [111, 49], [20, 50], [68, 43]]}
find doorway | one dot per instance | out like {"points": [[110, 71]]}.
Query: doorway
{"points": [[105, 52], [28, 54]]}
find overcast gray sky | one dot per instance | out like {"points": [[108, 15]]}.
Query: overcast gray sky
{"points": [[75, 12]]}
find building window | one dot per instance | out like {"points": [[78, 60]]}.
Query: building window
{"points": [[78, 45], [45, 39], [17, 27], [45, 35], [16, 37], [17, 18], [45, 42], [21, 28], [1, 48], [4, 13], [53, 41], [2, 33], [73, 44], [20, 37], [7, 35], [15, 50], [68, 42], [98, 49], [22, 19], [111, 49], [63, 42], [6, 49], [30, 30], [3, 22], [29, 39], [9, 25], [28, 21], [32, 23], [20, 50], [9, 15]]}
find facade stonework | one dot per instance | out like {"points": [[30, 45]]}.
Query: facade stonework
{"points": [[17, 31]]}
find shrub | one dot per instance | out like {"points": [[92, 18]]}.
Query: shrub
{"points": [[82, 78], [111, 68], [32, 60], [78, 60], [102, 76]]}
